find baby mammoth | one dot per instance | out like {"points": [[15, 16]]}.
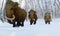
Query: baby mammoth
{"points": [[47, 18], [32, 16]]}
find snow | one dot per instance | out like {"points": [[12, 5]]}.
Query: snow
{"points": [[40, 29]]}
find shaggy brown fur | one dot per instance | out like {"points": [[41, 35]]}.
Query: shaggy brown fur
{"points": [[47, 18], [20, 14], [32, 16]]}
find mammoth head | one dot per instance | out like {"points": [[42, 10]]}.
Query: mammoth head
{"points": [[10, 12], [15, 5], [32, 12]]}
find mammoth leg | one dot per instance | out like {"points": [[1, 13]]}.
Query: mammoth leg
{"points": [[14, 25], [31, 21], [22, 24], [35, 22], [18, 23], [45, 22], [48, 22]]}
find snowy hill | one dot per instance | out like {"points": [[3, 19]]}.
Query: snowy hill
{"points": [[40, 29]]}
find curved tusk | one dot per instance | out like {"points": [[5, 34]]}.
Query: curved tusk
{"points": [[11, 18]]}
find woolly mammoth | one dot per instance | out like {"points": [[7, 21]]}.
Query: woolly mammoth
{"points": [[47, 18], [15, 14], [32, 16]]}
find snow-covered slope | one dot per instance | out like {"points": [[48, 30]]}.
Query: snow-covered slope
{"points": [[40, 29]]}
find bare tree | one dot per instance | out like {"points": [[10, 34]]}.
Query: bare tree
{"points": [[1, 10]]}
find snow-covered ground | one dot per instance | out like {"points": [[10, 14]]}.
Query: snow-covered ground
{"points": [[40, 29]]}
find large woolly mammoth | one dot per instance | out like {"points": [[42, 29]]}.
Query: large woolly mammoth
{"points": [[32, 16], [15, 14], [47, 17]]}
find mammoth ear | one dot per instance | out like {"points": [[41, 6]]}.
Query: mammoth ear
{"points": [[16, 3]]}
